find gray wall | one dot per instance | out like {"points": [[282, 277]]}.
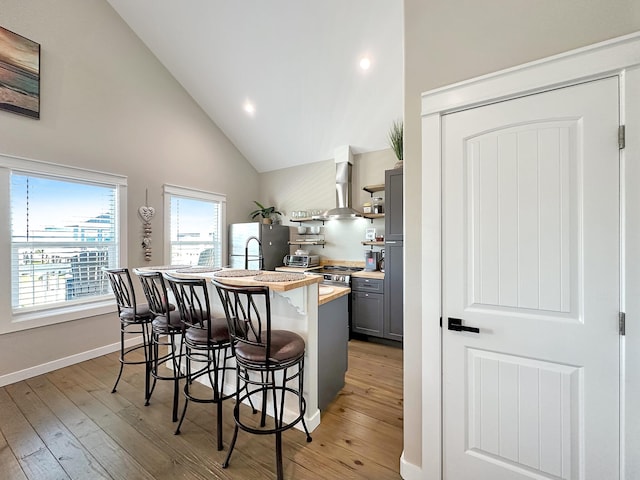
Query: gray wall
{"points": [[107, 104], [447, 41]]}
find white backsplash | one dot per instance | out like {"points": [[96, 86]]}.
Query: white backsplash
{"points": [[343, 239]]}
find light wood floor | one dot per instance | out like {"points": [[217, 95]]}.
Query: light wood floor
{"points": [[67, 424]]}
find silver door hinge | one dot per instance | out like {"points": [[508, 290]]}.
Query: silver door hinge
{"points": [[621, 322], [621, 137]]}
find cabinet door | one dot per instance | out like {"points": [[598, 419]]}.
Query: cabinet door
{"points": [[393, 217], [393, 290], [367, 313], [371, 285]]}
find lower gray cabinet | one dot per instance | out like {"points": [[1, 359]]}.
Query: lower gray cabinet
{"points": [[367, 306], [393, 291]]}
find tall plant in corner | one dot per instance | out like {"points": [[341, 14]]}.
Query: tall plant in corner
{"points": [[396, 134], [265, 212]]}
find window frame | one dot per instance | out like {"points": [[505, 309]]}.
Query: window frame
{"points": [[194, 194], [18, 321]]}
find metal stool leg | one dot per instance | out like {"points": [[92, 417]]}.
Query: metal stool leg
{"points": [[279, 470], [115, 385]]}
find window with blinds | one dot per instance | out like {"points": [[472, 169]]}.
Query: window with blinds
{"points": [[63, 233], [195, 221]]}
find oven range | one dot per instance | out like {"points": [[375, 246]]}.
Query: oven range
{"points": [[335, 274]]}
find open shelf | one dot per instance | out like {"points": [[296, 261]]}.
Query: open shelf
{"points": [[308, 242], [308, 219], [373, 243], [371, 189], [308, 239]]}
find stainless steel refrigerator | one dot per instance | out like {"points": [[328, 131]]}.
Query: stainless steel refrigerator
{"points": [[264, 246]]}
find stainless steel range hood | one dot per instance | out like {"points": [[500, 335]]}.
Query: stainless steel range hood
{"points": [[343, 210]]}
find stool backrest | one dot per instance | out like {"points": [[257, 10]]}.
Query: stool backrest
{"points": [[192, 299], [155, 290], [122, 288], [246, 323]]}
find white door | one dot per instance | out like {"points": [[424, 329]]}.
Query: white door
{"points": [[531, 258]]}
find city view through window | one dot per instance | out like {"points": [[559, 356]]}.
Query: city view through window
{"points": [[195, 232], [62, 234]]}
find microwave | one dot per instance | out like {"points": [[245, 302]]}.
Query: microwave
{"points": [[305, 261]]}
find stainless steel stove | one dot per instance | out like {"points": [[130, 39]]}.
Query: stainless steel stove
{"points": [[336, 274]]}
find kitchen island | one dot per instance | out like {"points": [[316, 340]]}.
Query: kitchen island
{"points": [[295, 307]]}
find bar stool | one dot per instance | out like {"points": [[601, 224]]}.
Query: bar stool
{"points": [[268, 362], [207, 345], [167, 329], [135, 319]]}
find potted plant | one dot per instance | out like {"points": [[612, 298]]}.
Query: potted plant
{"points": [[265, 212], [395, 140]]}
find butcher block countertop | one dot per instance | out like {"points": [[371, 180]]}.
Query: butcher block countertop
{"points": [[364, 274], [336, 292], [333, 291], [250, 282], [297, 269]]}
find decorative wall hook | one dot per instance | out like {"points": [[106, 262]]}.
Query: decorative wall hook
{"points": [[146, 214]]}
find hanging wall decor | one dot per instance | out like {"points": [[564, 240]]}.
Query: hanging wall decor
{"points": [[146, 214], [19, 74]]}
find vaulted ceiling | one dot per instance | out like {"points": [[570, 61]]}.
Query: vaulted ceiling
{"points": [[296, 62]]}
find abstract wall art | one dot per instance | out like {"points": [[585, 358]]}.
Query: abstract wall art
{"points": [[19, 74]]}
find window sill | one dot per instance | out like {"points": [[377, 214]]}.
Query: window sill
{"points": [[52, 316]]}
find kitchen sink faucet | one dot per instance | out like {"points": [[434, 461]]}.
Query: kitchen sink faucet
{"points": [[246, 253]]}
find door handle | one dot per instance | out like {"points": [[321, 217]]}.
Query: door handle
{"points": [[456, 325]]}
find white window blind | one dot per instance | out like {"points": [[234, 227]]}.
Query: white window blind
{"points": [[63, 233], [195, 222]]}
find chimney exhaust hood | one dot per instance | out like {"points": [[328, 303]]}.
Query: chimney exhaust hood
{"points": [[343, 210]]}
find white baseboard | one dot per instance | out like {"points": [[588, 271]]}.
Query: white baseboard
{"points": [[409, 471], [34, 371]]}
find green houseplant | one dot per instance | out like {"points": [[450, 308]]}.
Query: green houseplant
{"points": [[265, 212], [396, 134]]}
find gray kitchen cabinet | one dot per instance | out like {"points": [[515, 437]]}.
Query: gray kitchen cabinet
{"points": [[393, 302], [393, 193], [333, 343], [367, 306], [393, 253]]}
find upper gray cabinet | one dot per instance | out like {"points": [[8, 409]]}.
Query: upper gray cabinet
{"points": [[393, 204], [393, 324]]}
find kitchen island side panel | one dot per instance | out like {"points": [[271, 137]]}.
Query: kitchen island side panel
{"points": [[333, 340]]}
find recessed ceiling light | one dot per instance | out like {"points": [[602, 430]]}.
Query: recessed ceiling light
{"points": [[365, 63], [249, 108]]}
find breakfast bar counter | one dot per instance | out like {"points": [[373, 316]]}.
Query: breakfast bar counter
{"points": [[276, 285], [294, 307]]}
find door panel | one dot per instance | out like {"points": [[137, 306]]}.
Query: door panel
{"points": [[520, 412], [531, 258], [516, 174]]}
